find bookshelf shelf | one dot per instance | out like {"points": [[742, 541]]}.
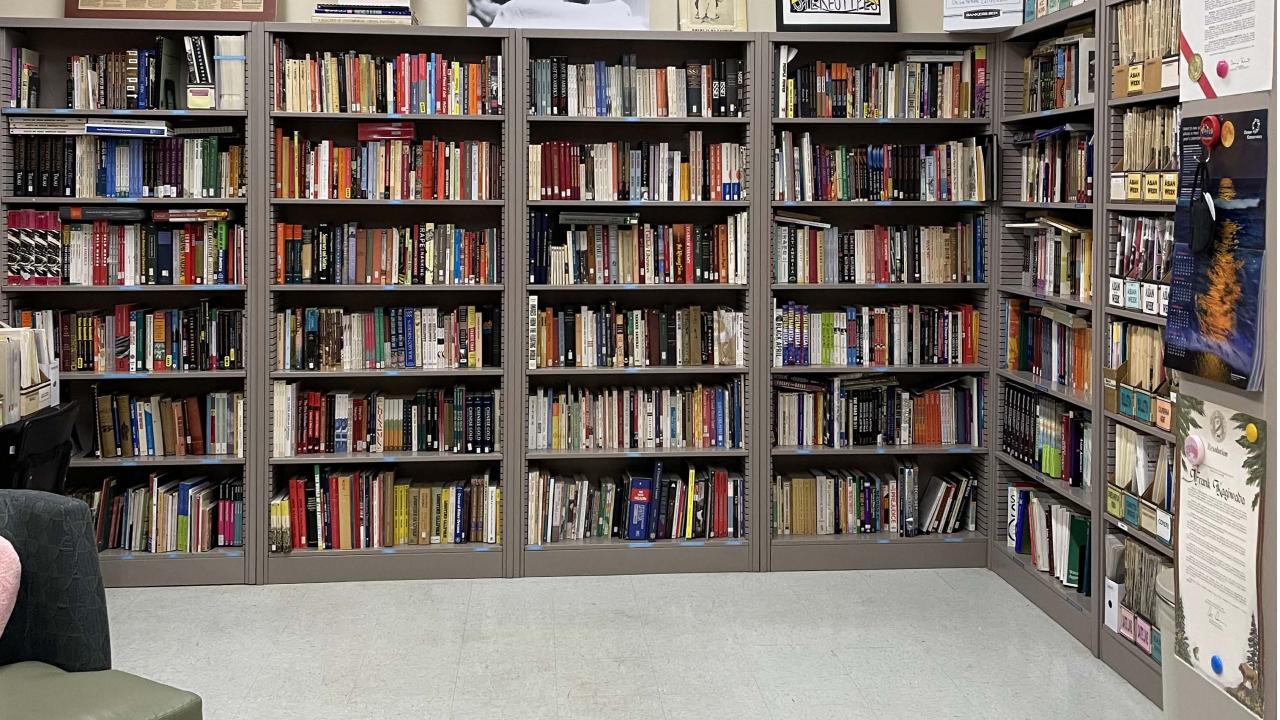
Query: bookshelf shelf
{"points": [[1137, 207], [408, 562], [634, 557], [878, 539], [215, 202], [1169, 95], [867, 287], [1076, 613], [1079, 495], [221, 566], [1160, 320], [1140, 535], [625, 287], [155, 461], [171, 114], [1125, 657], [1055, 299], [658, 371], [1023, 205], [942, 122], [1054, 115], [181, 375], [383, 117], [406, 457], [16, 289], [885, 369], [433, 549], [864, 450], [643, 453], [1052, 21], [874, 204], [623, 544], [1141, 427], [1061, 392], [355, 289], [573, 119], [368, 202], [725, 204], [385, 373]]}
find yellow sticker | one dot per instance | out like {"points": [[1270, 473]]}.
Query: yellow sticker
{"points": [[1251, 433], [1195, 68]]}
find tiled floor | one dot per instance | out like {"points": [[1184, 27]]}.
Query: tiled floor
{"points": [[919, 644]]}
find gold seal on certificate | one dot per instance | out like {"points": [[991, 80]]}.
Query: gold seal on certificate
{"points": [[1195, 68]]}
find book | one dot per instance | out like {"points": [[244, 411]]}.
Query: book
{"points": [[1054, 536], [1146, 30], [1049, 342], [929, 83], [609, 336], [229, 62], [808, 251], [330, 338], [1058, 261], [392, 169], [457, 420], [1050, 436], [869, 336], [903, 502], [134, 425], [1061, 72], [131, 338], [426, 253], [604, 249], [169, 512], [86, 166], [856, 411], [701, 416], [637, 170], [714, 88], [955, 171], [146, 78], [24, 77], [1056, 164], [406, 83]]}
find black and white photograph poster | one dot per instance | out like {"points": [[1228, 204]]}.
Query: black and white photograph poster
{"points": [[713, 15], [980, 15], [837, 15], [559, 14]]}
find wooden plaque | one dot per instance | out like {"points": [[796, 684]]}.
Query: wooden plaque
{"points": [[246, 10]]}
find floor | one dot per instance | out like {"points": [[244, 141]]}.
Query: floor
{"points": [[919, 644]]}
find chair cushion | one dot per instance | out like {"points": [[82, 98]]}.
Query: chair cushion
{"points": [[37, 691], [10, 576]]}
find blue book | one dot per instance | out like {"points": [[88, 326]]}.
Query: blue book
{"points": [[1020, 525], [411, 341], [720, 399], [639, 497], [133, 425], [151, 438]]}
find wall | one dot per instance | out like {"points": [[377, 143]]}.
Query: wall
{"points": [[913, 15]]}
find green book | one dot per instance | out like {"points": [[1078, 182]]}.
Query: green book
{"points": [[1076, 554]]}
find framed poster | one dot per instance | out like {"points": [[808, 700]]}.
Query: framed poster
{"points": [[1227, 47], [1223, 467], [713, 15], [980, 15], [559, 14], [264, 10], [838, 15]]}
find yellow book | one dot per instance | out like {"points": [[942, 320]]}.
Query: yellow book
{"points": [[688, 503], [400, 496], [497, 499]]}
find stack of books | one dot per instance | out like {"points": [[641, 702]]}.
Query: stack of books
{"points": [[378, 12]]}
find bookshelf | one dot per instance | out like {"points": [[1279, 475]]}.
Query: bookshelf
{"points": [[650, 52], [450, 291], [55, 40], [1080, 615], [884, 549]]}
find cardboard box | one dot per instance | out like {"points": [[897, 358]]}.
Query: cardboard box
{"points": [[1120, 82], [1151, 187], [1152, 76]]}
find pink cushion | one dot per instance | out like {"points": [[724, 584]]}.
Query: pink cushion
{"points": [[10, 574]]}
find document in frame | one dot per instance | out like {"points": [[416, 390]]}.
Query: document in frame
{"points": [[1226, 47]]}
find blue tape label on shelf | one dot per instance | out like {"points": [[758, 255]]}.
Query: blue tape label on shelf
{"points": [[230, 57], [693, 543], [881, 286], [533, 547], [804, 451], [391, 458], [958, 449], [391, 373], [173, 554], [633, 454], [632, 370], [210, 461], [395, 202], [481, 548], [882, 541], [393, 114], [640, 545], [234, 553], [15, 111], [126, 557], [881, 451], [128, 463], [388, 550], [120, 111], [388, 286], [952, 540], [882, 120], [126, 199], [735, 541], [178, 112], [629, 286]]}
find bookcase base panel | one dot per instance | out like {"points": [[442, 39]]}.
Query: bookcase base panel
{"points": [[1076, 617], [631, 560], [1129, 663], [464, 562], [912, 554], [156, 570]]}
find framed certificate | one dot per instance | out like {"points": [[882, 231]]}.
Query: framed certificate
{"points": [[172, 9]]}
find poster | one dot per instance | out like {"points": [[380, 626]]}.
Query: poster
{"points": [[980, 15], [713, 15], [1226, 47], [837, 15], [1215, 328], [172, 9], [1219, 513], [559, 14]]}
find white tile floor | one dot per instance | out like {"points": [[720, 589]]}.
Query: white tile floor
{"points": [[918, 644]]}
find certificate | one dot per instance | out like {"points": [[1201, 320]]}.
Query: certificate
{"points": [[1227, 47], [1219, 512], [971, 15]]}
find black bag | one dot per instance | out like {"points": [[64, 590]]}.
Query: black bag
{"points": [[1202, 212]]}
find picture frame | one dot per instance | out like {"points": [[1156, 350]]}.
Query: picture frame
{"points": [[713, 15], [837, 15], [225, 10]]}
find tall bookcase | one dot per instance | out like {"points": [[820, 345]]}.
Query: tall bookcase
{"points": [[1078, 614], [55, 40], [467, 560], [882, 549], [651, 50]]}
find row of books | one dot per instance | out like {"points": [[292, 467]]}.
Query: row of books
{"points": [[857, 411], [1139, 567], [637, 170], [933, 83], [608, 336], [90, 166], [160, 426], [441, 420], [1059, 258], [1049, 342], [353, 82], [132, 338], [696, 503], [716, 88], [332, 338], [1056, 164], [1062, 72], [853, 501], [43, 250], [808, 251], [955, 171], [167, 513], [1146, 30], [1047, 434], [1150, 138], [1055, 537], [1144, 467], [1135, 351], [617, 249], [636, 418], [427, 253], [357, 509], [396, 168], [1143, 248], [875, 336], [380, 12]]}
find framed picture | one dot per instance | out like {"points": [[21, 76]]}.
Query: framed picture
{"points": [[713, 15], [838, 15], [246, 10], [559, 14]]}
